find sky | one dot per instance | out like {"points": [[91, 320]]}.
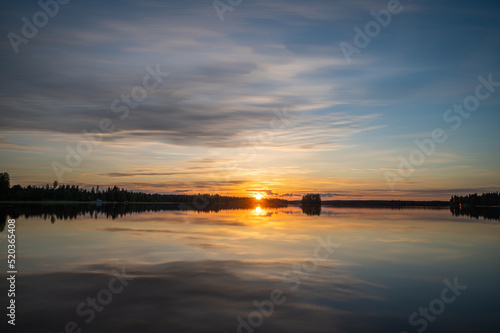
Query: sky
{"points": [[239, 97]]}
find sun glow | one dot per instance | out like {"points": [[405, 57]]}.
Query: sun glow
{"points": [[258, 196]]}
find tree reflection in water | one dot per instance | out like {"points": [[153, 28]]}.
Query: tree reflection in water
{"points": [[54, 212], [311, 210], [487, 213]]}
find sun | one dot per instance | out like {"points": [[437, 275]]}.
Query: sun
{"points": [[258, 196]]}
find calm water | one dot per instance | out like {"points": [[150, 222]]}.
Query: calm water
{"points": [[257, 270]]}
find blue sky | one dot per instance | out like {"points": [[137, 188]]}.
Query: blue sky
{"points": [[206, 127]]}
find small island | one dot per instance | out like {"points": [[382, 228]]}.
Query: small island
{"points": [[311, 204], [311, 199]]}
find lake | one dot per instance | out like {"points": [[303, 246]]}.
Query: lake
{"points": [[110, 269]]}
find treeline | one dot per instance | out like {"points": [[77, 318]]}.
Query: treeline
{"points": [[474, 200], [115, 194], [76, 193], [56, 192]]}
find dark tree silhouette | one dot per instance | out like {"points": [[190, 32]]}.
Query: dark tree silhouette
{"points": [[311, 199], [474, 200], [4, 185], [74, 193]]}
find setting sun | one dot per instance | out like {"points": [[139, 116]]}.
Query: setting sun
{"points": [[258, 196]]}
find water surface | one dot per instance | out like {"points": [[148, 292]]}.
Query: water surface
{"points": [[216, 271]]}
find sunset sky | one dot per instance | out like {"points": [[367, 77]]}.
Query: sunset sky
{"points": [[261, 101]]}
